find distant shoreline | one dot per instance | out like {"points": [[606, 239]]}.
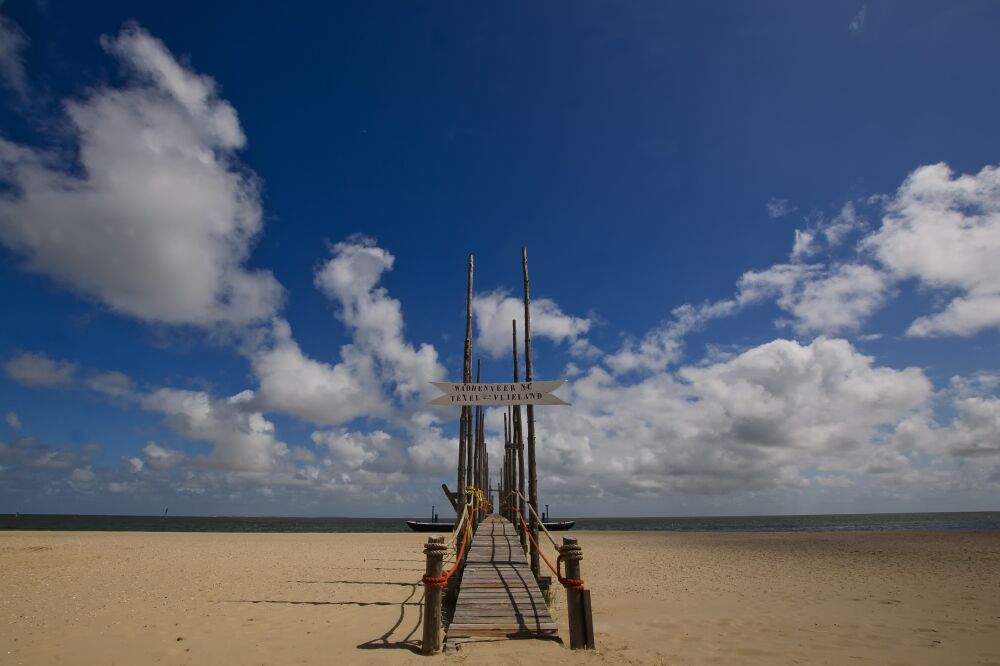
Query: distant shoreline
{"points": [[881, 522]]}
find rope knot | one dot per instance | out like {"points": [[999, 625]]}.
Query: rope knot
{"points": [[569, 552], [432, 549], [435, 581], [571, 583]]}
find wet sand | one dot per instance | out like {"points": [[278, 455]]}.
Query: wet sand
{"points": [[670, 598]]}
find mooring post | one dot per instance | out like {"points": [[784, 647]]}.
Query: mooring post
{"points": [[434, 550], [581, 620]]}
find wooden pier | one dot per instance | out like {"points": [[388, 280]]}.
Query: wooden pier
{"points": [[498, 596]]}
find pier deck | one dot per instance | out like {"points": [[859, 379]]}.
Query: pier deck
{"points": [[499, 597]]}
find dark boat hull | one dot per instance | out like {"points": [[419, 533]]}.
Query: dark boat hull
{"points": [[417, 526]]}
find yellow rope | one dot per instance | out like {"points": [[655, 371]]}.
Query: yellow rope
{"points": [[544, 529]]}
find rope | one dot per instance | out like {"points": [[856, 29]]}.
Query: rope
{"points": [[568, 583], [485, 504], [458, 526], [540, 522], [442, 581]]}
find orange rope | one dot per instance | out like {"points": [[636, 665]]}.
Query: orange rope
{"points": [[568, 583], [442, 581]]}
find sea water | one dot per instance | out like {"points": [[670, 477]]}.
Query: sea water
{"points": [[983, 520]]}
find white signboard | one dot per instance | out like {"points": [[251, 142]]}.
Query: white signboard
{"points": [[457, 394]]}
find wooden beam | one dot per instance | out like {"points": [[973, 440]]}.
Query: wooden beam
{"points": [[452, 497], [532, 471], [519, 442], [466, 377]]}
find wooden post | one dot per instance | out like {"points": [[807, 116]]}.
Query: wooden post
{"points": [[434, 550], [484, 456], [476, 469], [466, 377], [477, 472], [519, 437], [470, 435], [479, 434], [463, 428], [506, 470], [509, 469], [484, 474], [505, 475], [579, 615], [452, 498], [532, 471], [483, 463], [508, 498]]}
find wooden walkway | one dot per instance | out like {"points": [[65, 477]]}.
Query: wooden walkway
{"points": [[499, 597]]}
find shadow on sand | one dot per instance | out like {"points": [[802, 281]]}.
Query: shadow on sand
{"points": [[383, 642]]}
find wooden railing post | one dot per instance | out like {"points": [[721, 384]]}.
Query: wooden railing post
{"points": [[581, 620], [434, 550]]}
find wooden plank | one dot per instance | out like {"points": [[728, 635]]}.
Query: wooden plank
{"points": [[481, 619], [512, 625], [493, 612], [488, 629], [498, 596]]}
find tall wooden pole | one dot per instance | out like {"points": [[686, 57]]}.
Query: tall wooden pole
{"points": [[506, 463], [484, 474], [511, 483], [512, 478], [532, 472], [519, 443], [502, 499], [470, 429], [476, 468], [466, 377], [481, 436], [474, 446], [484, 456]]}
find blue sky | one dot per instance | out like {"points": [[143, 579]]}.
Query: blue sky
{"points": [[762, 241]]}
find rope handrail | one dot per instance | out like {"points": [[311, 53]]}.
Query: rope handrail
{"points": [[540, 521], [442, 581], [458, 526], [568, 583]]}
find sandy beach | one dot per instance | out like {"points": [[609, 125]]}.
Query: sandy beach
{"points": [[671, 598]]}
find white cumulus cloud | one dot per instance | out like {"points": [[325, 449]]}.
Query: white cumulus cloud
{"points": [[494, 312], [768, 418], [157, 457], [378, 372], [944, 231], [242, 440], [375, 319], [158, 218], [832, 300], [293, 383]]}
